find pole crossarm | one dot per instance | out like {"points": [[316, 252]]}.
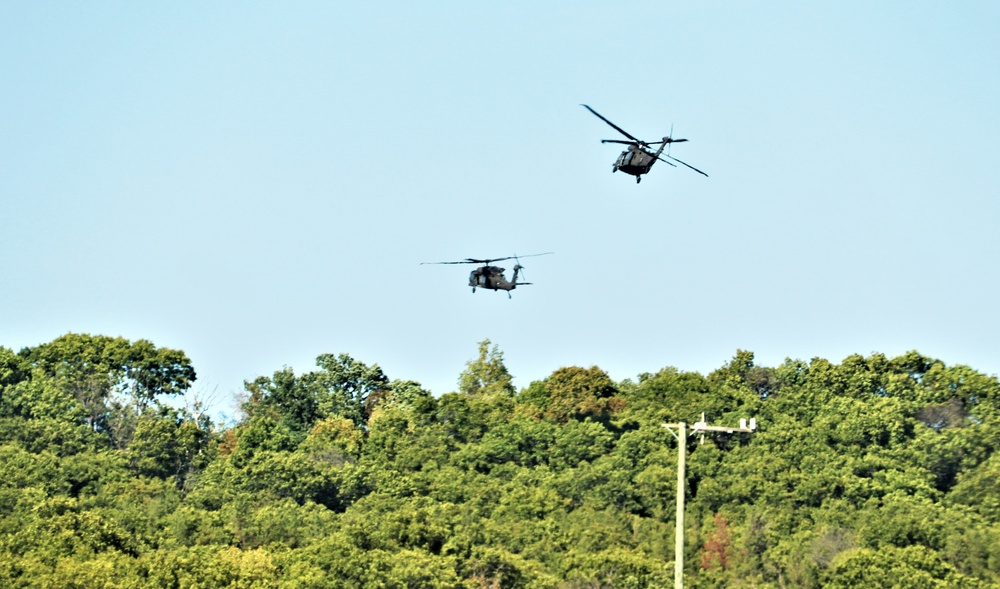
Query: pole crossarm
{"points": [[744, 427], [715, 428]]}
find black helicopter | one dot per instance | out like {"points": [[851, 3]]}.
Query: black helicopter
{"points": [[638, 158], [492, 277]]}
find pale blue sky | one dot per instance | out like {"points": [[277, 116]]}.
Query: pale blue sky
{"points": [[257, 183]]}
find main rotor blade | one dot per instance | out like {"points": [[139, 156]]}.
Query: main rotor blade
{"points": [[613, 126], [471, 261], [620, 141], [489, 261], [667, 140], [688, 165], [666, 162], [530, 255]]}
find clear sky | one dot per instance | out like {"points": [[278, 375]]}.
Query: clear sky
{"points": [[257, 183]]}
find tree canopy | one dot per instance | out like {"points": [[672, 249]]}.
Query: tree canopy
{"points": [[873, 472]]}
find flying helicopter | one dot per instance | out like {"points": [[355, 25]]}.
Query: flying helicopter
{"points": [[638, 158], [492, 277]]}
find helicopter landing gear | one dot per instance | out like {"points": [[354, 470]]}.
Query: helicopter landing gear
{"points": [[473, 289], [638, 179]]}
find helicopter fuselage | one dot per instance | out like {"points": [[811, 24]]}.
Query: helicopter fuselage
{"points": [[635, 161], [492, 277]]}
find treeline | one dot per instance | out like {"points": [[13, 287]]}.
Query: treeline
{"points": [[874, 472]]}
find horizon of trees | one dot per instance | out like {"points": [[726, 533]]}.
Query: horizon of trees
{"points": [[876, 472]]}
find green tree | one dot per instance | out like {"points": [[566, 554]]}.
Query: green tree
{"points": [[285, 396], [110, 381], [94, 365], [343, 386], [350, 388], [12, 371], [574, 393], [979, 489], [914, 567], [487, 374], [169, 443]]}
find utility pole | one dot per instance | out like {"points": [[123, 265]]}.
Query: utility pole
{"points": [[681, 435]]}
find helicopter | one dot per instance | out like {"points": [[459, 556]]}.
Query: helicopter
{"points": [[492, 277], [639, 158]]}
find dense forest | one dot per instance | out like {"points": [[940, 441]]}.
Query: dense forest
{"points": [[875, 472]]}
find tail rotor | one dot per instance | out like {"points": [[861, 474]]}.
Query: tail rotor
{"points": [[518, 268]]}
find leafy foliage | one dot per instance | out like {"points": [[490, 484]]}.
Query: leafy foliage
{"points": [[486, 374], [875, 472]]}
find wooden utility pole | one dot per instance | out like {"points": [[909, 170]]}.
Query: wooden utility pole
{"points": [[681, 434]]}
